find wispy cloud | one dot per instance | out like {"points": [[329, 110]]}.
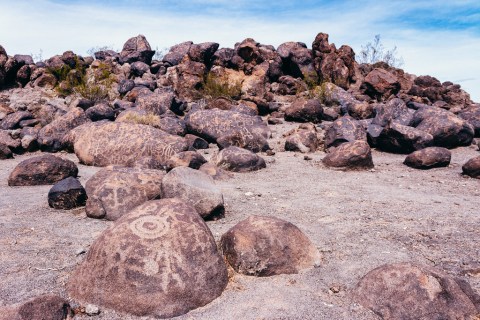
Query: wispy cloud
{"points": [[440, 38]]}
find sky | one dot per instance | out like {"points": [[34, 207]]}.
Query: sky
{"points": [[439, 38]]}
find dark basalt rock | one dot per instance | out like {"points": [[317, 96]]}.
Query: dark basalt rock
{"points": [[136, 49], [303, 110], [355, 155], [397, 138], [238, 160], [100, 111], [12, 120], [67, 194], [344, 129], [191, 159], [472, 168], [432, 157]]}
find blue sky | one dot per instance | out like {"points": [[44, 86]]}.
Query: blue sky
{"points": [[439, 38]]}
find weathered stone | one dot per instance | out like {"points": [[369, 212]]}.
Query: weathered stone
{"points": [[267, 246], [432, 157], [138, 68], [106, 55], [41, 170], [360, 110], [344, 129], [186, 79], [381, 84], [67, 194], [303, 139], [238, 160], [408, 291], [297, 60], [394, 110], [48, 307], [5, 152], [191, 159], [51, 136], [195, 142], [350, 156], [472, 116], [172, 125], [124, 143], [232, 128], [447, 129], [125, 86], [195, 188], [12, 120], [100, 111], [303, 110], [472, 168], [215, 172], [177, 53], [397, 138], [114, 191], [156, 103], [203, 52], [136, 49], [7, 140], [161, 257]]}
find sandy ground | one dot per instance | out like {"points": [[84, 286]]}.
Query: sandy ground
{"points": [[358, 220]]}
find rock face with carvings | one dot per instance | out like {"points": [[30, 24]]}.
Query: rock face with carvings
{"points": [[159, 260]]}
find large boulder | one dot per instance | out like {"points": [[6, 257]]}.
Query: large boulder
{"points": [[472, 116], [67, 194], [381, 84], [350, 156], [190, 159], [41, 170], [472, 168], [159, 260], [195, 188], [267, 246], [397, 138], [344, 129], [176, 53], [124, 143], [231, 128], [44, 307], [395, 110], [408, 291], [156, 103], [114, 191], [432, 157], [302, 110], [297, 60], [186, 79], [136, 49], [203, 52], [12, 120], [238, 160], [304, 139], [50, 137], [447, 129]]}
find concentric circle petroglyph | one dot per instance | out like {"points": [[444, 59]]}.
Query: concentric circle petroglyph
{"points": [[150, 227]]}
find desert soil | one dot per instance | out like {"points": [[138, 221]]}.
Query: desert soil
{"points": [[358, 220]]}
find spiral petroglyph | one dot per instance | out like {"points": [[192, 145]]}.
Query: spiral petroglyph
{"points": [[150, 227]]}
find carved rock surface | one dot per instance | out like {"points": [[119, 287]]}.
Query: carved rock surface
{"points": [[238, 160], [267, 246], [344, 129], [159, 260], [303, 110], [432, 157]]}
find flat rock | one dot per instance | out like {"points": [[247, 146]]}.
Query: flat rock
{"points": [[350, 156], [118, 143], [408, 291], [238, 160], [195, 188], [472, 167], [41, 170], [67, 194], [114, 191], [267, 246], [162, 259], [432, 157]]}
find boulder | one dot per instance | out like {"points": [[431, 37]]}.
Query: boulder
{"points": [[203, 52], [41, 170], [397, 138], [67, 194], [12, 120], [448, 130], [186, 79], [381, 84], [215, 172], [136, 49], [138, 68], [5, 152], [304, 139], [395, 110], [408, 291], [266, 246], [176, 53], [350, 156], [51, 136], [125, 85], [302, 110], [238, 160], [195, 188], [344, 129], [7, 140], [123, 143], [297, 60], [472, 168], [231, 128], [195, 142], [156, 103], [44, 307], [114, 191], [191, 159], [472, 116], [432, 157], [172, 125], [100, 111], [162, 259]]}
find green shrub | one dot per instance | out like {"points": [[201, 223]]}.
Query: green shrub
{"points": [[92, 91], [148, 119], [322, 92], [219, 86]]}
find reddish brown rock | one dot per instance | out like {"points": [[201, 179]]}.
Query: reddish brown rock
{"points": [[136, 49], [195, 188], [238, 160], [304, 139], [381, 84], [397, 138], [215, 172], [117, 143], [395, 110], [12, 120], [5, 152], [432, 157], [191, 159], [344, 129], [472, 116], [45, 307], [267, 246], [195, 142], [114, 191], [41, 170], [303, 110], [350, 156], [408, 291], [162, 259], [472, 168]]}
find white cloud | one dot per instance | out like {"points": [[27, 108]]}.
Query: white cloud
{"points": [[27, 27]]}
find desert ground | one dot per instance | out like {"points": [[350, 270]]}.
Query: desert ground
{"points": [[358, 220]]}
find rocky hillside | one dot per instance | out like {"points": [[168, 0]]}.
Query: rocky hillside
{"points": [[146, 122]]}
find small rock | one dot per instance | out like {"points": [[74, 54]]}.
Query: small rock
{"points": [[67, 194], [92, 310]]}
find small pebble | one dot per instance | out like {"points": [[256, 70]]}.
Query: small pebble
{"points": [[249, 194], [92, 310]]}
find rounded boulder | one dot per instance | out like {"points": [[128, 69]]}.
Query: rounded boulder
{"points": [[238, 160], [432, 157], [159, 260], [67, 194]]}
